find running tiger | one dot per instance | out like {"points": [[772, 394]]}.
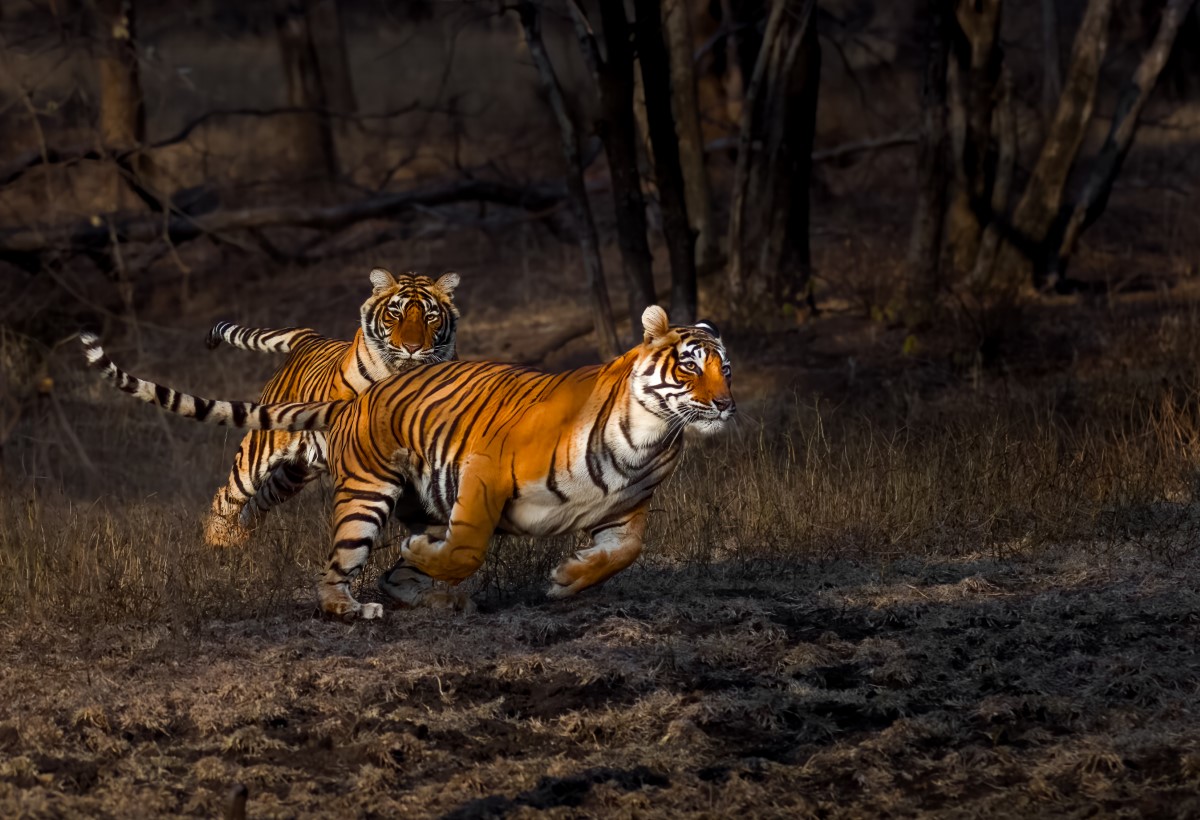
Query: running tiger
{"points": [[408, 320], [482, 447]]}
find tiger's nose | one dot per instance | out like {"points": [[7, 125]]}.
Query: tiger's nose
{"points": [[412, 348], [723, 403]]}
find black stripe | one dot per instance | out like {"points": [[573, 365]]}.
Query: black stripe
{"points": [[551, 480]]}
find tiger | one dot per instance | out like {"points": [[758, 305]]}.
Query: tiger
{"points": [[407, 320], [461, 450]]}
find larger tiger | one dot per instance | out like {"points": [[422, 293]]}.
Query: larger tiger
{"points": [[480, 447], [408, 320]]}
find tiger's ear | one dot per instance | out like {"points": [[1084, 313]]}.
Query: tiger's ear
{"points": [[709, 328], [448, 282], [381, 280], [655, 323]]}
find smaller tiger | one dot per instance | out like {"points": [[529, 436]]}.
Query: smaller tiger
{"points": [[408, 320]]}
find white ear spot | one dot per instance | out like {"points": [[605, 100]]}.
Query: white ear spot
{"points": [[447, 282], [381, 280], [709, 327], [655, 323]]}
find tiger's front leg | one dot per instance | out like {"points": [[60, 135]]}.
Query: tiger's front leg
{"points": [[614, 547], [230, 516], [473, 519]]}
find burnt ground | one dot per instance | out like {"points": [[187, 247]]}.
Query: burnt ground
{"points": [[1050, 687]]}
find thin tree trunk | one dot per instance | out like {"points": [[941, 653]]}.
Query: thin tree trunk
{"points": [[121, 120], [925, 244], [1094, 197], [310, 132], [122, 113], [656, 80], [589, 243], [687, 121], [734, 81], [977, 62], [618, 130], [329, 43], [768, 229], [796, 138], [739, 271], [1005, 134], [1051, 62], [1039, 206]]}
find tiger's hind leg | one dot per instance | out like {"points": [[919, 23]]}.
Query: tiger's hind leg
{"points": [[285, 481], [358, 518], [410, 587], [614, 547]]}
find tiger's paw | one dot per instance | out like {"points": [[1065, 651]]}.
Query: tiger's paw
{"points": [[337, 602], [371, 611], [410, 587], [564, 583], [225, 533], [354, 612], [405, 584]]}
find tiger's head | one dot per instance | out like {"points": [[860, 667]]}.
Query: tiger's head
{"points": [[411, 319], [682, 373]]}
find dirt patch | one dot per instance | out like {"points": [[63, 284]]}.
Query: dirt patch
{"points": [[1049, 690]]}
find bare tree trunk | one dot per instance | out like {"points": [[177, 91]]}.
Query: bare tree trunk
{"points": [[1051, 62], [121, 122], [925, 243], [618, 130], [687, 122], [977, 62], [668, 173], [1038, 208], [589, 243], [329, 43], [1094, 197], [768, 230], [311, 132], [122, 113], [1005, 134], [734, 80]]}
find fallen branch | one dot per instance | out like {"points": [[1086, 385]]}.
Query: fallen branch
{"points": [[101, 232], [829, 154], [66, 156]]}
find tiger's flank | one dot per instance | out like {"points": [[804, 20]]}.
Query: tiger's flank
{"points": [[462, 450]]}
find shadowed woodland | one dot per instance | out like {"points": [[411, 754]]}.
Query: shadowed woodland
{"points": [[944, 563]]}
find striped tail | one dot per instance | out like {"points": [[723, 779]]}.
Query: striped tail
{"points": [[250, 415], [258, 339]]}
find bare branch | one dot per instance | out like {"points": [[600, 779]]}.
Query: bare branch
{"points": [[589, 241], [100, 232], [1094, 197]]}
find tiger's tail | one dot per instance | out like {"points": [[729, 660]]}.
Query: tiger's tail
{"points": [[258, 339], [245, 414]]}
